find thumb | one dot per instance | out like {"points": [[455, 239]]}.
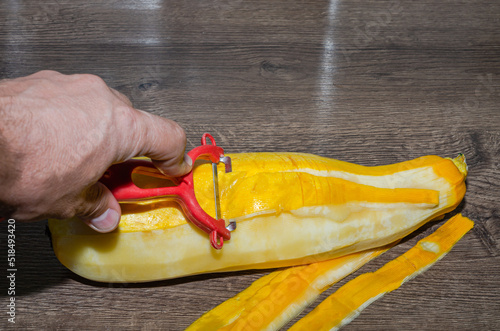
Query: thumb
{"points": [[99, 208]]}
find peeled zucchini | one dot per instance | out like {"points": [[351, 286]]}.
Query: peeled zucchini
{"points": [[290, 209]]}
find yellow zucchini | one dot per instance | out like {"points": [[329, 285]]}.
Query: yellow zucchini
{"points": [[289, 208]]}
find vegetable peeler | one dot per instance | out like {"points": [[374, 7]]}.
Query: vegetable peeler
{"points": [[118, 178]]}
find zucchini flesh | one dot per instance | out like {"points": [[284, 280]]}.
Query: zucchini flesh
{"points": [[289, 208]]}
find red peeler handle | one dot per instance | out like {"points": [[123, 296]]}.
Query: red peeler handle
{"points": [[118, 178]]}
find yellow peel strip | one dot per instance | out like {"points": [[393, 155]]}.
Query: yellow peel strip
{"points": [[347, 302], [274, 299]]}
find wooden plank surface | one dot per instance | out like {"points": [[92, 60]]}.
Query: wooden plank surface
{"points": [[371, 82]]}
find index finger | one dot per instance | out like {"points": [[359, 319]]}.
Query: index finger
{"points": [[160, 139]]}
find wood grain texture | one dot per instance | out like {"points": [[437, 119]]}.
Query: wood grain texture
{"points": [[371, 82]]}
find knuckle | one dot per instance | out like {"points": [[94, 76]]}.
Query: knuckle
{"points": [[122, 97], [127, 123], [91, 80], [47, 73], [126, 113]]}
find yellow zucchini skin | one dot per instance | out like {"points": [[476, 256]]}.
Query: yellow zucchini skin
{"points": [[347, 302], [290, 209]]}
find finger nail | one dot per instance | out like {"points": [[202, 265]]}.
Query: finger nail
{"points": [[107, 222], [188, 160]]}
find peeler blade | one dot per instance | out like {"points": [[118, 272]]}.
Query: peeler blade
{"points": [[228, 168], [216, 191]]}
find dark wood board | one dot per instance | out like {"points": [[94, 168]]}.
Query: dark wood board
{"points": [[370, 82]]}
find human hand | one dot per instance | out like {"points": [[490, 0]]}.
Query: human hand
{"points": [[59, 134]]}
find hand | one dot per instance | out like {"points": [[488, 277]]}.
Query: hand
{"points": [[59, 134]]}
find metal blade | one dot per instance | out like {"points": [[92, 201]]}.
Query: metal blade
{"points": [[216, 191]]}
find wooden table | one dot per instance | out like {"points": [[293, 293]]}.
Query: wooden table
{"points": [[371, 82]]}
